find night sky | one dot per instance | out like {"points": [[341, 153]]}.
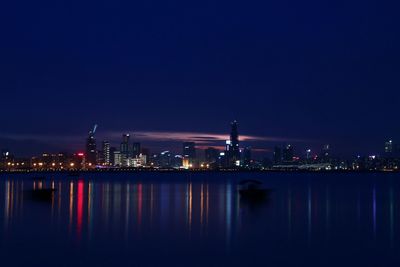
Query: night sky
{"points": [[304, 72]]}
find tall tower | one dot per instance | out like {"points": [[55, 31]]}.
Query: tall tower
{"points": [[234, 150], [106, 153], [125, 149], [189, 154], [91, 148]]}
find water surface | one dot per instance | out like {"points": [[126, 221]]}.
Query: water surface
{"points": [[199, 219]]}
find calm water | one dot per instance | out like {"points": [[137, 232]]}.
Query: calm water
{"points": [[158, 219]]}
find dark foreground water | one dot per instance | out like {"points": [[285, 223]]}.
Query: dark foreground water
{"points": [[188, 219]]}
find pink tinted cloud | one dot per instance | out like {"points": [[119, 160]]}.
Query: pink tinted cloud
{"points": [[195, 137], [223, 148], [203, 140]]}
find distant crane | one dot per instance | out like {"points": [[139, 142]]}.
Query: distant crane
{"points": [[92, 132], [91, 150]]}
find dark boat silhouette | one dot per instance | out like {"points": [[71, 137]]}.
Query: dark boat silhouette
{"points": [[252, 190], [43, 194]]}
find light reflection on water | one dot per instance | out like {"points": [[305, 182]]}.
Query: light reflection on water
{"points": [[201, 218]]}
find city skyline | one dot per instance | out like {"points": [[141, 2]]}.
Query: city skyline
{"points": [[159, 141], [227, 152]]}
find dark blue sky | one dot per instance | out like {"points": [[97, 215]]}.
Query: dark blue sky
{"points": [[312, 71]]}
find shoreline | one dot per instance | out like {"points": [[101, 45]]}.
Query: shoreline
{"points": [[69, 172]]}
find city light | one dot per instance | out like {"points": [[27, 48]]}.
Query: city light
{"points": [[230, 154]]}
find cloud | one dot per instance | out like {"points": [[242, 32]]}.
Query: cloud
{"points": [[195, 137], [152, 139], [261, 150]]}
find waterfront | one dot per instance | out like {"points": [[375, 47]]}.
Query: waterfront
{"points": [[199, 219]]}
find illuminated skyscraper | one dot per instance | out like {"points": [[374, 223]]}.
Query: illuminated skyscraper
{"points": [[125, 148], [233, 152], [91, 148], [106, 153], [392, 149], [389, 146], [6, 157], [112, 151], [189, 154], [117, 159], [308, 154]]}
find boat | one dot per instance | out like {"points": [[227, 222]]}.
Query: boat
{"points": [[252, 190], [44, 194]]}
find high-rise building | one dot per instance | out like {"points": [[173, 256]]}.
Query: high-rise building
{"points": [[308, 154], [288, 153], [165, 159], [112, 151], [222, 159], [233, 150], [177, 161], [189, 154], [106, 153], [91, 150], [326, 153], [389, 146], [392, 149], [5, 155], [6, 158], [136, 149], [211, 155], [125, 148], [118, 160], [138, 161], [277, 155], [247, 156], [146, 152]]}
